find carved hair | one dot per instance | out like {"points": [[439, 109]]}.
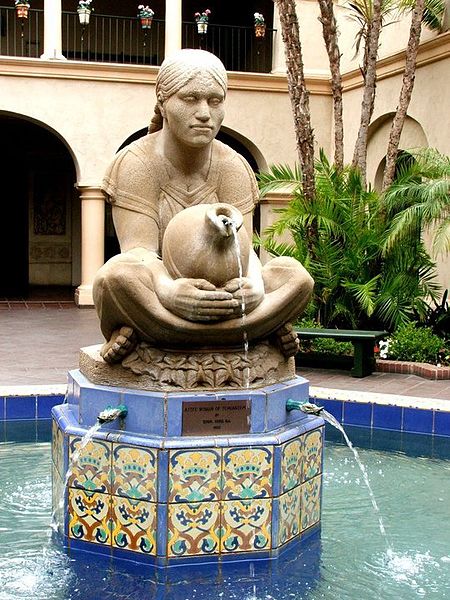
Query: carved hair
{"points": [[177, 70]]}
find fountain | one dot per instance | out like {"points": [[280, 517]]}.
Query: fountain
{"points": [[195, 452]]}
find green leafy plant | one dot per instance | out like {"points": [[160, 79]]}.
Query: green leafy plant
{"points": [[339, 237], [417, 344]]}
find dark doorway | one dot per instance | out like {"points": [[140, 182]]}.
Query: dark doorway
{"points": [[37, 192]]}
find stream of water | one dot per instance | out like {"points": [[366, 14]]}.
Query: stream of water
{"points": [[73, 462], [330, 419]]}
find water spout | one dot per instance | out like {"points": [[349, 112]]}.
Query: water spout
{"points": [[307, 407], [110, 414]]}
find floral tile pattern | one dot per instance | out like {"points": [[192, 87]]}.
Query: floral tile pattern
{"points": [[247, 473], [246, 525], [57, 447], [310, 502], [194, 475], [91, 467], [134, 473], [312, 454], [89, 516], [291, 464], [193, 528], [134, 525], [289, 516]]}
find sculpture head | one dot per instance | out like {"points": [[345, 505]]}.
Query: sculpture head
{"points": [[190, 90]]}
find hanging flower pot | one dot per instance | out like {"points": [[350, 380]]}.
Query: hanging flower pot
{"points": [[22, 9], [260, 25], [260, 31], [145, 14], [84, 10], [202, 21], [84, 15], [146, 22]]}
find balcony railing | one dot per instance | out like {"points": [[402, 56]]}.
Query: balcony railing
{"points": [[115, 39], [21, 37], [237, 47], [112, 39]]}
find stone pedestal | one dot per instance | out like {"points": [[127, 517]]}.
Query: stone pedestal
{"points": [[170, 485]]}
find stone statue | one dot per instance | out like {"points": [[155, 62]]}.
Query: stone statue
{"points": [[179, 199]]}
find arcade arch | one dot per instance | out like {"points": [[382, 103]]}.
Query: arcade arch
{"points": [[41, 210]]}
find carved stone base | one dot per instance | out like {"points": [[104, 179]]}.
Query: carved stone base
{"points": [[148, 368]]}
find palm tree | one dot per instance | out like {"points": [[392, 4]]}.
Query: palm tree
{"points": [[356, 284], [369, 14], [330, 36], [298, 93], [419, 199], [430, 13]]}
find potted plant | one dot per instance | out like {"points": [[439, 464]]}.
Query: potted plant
{"points": [[22, 7], [145, 14], [260, 25], [202, 21], [84, 11]]}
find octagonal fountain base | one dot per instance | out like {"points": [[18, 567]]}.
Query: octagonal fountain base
{"points": [[186, 477]]}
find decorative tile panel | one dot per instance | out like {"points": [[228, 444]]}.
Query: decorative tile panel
{"points": [[246, 525], [91, 467], [193, 529], [291, 464], [134, 525], [312, 454], [310, 502], [247, 473], [89, 516], [134, 473], [289, 516], [194, 475], [57, 447]]}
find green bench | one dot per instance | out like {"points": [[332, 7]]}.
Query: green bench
{"points": [[363, 345]]}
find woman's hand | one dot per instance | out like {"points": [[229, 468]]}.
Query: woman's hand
{"points": [[246, 292], [197, 300]]}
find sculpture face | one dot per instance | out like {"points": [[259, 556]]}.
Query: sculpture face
{"points": [[195, 113]]}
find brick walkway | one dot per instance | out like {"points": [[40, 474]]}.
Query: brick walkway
{"points": [[39, 344]]}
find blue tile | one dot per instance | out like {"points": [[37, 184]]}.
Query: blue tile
{"points": [[417, 420], [161, 530], [278, 395], [441, 423], [88, 547], [132, 556], [163, 476], [145, 412], [334, 407], [20, 407], [276, 483], [358, 413], [46, 403], [387, 417]]}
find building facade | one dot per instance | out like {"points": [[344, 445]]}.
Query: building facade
{"points": [[71, 95]]}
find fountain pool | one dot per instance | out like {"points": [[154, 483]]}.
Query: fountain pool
{"points": [[349, 561]]}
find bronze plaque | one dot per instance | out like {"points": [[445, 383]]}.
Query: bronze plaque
{"points": [[216, 417]]}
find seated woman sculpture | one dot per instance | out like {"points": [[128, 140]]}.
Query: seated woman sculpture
{"points": [[177, 165]]}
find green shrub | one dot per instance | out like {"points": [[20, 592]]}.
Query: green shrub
{"points": [[417, 344]]}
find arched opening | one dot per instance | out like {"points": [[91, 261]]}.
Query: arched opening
{"points": [[225, 135], [40, 242]]}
